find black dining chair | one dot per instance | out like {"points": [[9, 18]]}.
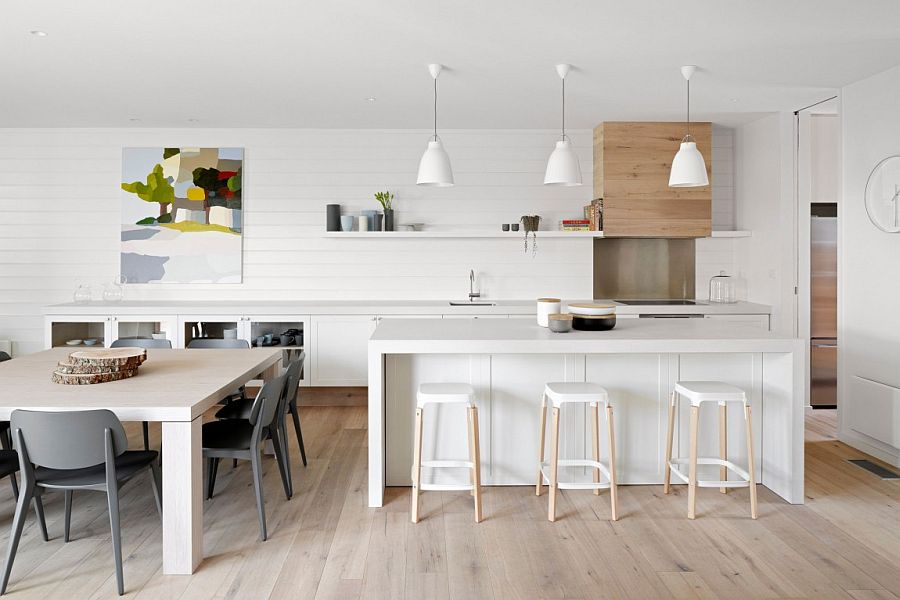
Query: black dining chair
{"points": [[5, 438], [75, 450], [146, 344], [243, 439], [242, 408]]}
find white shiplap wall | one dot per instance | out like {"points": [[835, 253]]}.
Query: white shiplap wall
{"points": [[59, 216]]}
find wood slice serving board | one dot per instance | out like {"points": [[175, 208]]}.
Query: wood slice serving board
{"points": [[87, 367]]}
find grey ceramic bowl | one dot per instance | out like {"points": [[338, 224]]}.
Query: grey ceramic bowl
{"points": [[559, 323]]}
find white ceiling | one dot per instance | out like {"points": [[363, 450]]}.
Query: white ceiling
{"points": [[290, 63]]}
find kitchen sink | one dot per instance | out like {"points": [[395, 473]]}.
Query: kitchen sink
{"points": [[468, 303]]}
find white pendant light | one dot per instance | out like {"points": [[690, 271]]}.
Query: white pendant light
{"points": [[434, 168], [688, 166], [563, 167]]}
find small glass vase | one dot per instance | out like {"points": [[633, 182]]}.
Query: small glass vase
{"points": [[114, 291], [83, 294]]}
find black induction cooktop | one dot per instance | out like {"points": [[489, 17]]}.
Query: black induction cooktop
{"points": [[659, 302]]}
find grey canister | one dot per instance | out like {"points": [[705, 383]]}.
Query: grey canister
{"points": [[389, 219], [378, 217], [332, 217]]}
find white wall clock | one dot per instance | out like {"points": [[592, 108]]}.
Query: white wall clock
{"points": [[883, 195]]}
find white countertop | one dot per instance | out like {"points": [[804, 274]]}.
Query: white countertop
{"points": [[495, 336], [371, 307]]}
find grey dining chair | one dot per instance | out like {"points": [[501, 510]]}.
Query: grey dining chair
{"points": [[75, 450], [142, 343], [242, 439], [217, 343], [242, 408]]}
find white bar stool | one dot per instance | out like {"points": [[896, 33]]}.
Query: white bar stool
{"points": [[560, 393], [699, 392], [446, 393]]}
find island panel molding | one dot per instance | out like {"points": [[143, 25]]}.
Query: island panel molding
{"points": [[632, 162], [508, 361]]}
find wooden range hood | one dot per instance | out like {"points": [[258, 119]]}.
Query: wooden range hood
{"points": [[632, 161]]}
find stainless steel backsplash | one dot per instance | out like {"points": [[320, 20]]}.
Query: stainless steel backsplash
{"points": [[644, 268]]}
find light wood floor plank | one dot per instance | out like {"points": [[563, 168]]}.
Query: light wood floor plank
{"points": [[327, 544]]}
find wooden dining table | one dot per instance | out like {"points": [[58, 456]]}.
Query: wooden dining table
{"points": [[174, 387]]}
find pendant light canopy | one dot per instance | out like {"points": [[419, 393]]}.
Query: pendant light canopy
{"points": [[688, 166], [434, 168], [563, 167]]}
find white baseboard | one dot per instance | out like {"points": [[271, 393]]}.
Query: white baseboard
{"points": [[865, 444]]}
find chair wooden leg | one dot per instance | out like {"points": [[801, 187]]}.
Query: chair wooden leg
{"points": [[417, 466], [476, 470], [692, 471], [670, 433], [595, 443], [748, 415], [723, 445], [554, 464], [540, 475], [613, 480]]}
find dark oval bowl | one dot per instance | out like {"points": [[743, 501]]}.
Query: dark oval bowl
{"points": [[600, 323]]}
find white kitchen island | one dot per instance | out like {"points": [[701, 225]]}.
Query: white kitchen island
{"points": [[508, 361]]}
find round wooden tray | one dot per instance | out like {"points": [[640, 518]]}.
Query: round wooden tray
{"points": [[91, 378], [109, 357]]}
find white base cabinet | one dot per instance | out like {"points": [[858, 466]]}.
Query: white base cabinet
{"points": [[340, 342]]}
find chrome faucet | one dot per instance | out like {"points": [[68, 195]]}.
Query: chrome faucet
{"points": [[472, 293]]}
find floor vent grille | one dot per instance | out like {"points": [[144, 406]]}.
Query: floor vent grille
{"points": [[876, 470]]}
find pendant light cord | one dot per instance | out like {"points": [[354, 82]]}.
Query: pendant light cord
{"points": [[564, 109], [689, 107], [435, 110]]}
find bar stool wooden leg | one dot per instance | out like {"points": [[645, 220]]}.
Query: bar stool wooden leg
{"points": [[471, 443], [554, 464], [723, 445], [417, 466], [667, 481], [595, 443], [748, 416], [692, 473], [476, 459], [540, 476], [613, 485]]}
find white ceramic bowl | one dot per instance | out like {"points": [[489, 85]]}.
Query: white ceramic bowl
{"points": [[73, 343], [591, 309], [90, 342]]}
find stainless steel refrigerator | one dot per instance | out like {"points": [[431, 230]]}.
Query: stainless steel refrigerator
{"points": [[823, 306]]}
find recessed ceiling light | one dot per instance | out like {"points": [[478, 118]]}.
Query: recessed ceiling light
{"points": [[192, 120], [38, 33], [371, 99], [134, 119]]}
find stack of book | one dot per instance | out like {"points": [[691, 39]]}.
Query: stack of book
{"points": [[575, 225], [593, 212]]}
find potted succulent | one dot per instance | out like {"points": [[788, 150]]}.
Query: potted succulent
{"points": [[386, 200]]}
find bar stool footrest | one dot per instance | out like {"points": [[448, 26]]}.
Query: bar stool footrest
{"points": [[445, 487], [675, 463], [577, 485], [448, 464]]}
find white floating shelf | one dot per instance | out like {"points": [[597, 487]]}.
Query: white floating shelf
{"points": [[513, 235]]}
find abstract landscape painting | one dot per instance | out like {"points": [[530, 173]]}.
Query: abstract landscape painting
{"points": [[181, 215]]}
